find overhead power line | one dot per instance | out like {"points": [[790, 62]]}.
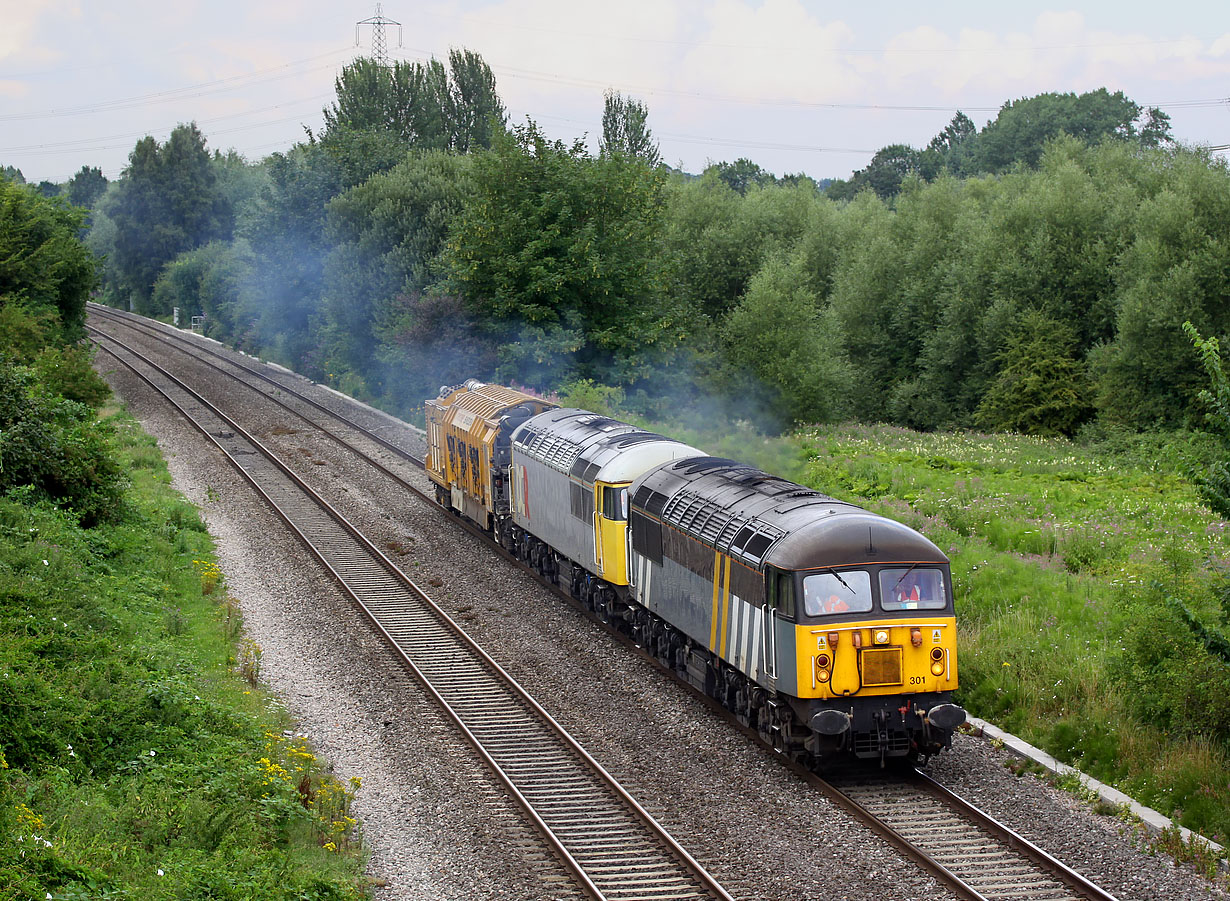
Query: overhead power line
{"points": [[264, 76]]}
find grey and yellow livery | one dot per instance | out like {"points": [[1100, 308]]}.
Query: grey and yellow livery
{"points": [[828, 628]]}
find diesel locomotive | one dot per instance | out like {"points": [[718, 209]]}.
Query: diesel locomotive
{"points": [[827, 628]]}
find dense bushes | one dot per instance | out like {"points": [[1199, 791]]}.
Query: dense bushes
{"points": [[52, 447], [133, 762]]}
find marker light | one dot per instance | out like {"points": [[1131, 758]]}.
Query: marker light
{"points": [[937, 653], [916, 637], [881, 636], [822, 667]]}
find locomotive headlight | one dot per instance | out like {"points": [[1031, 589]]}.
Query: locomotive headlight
{"points": [[881, 636], [937, 668]]}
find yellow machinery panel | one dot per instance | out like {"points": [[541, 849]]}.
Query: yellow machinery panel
{"points": [[465, 426], [877, 657]]}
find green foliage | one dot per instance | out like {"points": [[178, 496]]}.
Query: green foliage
{"points": [[625, 129], [132, 762], [43, 266], [1041, 388], [423, 106], [1215, 483], [388, 235], [784, 350], [86, 187], [555, 256], [1023, 127], [67, 372], [167, 202], [741, 176], [53, 448], [209, 282], [587, 395]]}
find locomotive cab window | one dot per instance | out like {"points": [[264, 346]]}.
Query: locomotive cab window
{"points": [[912, 588], [830, 592], [781, 591], [614, 502]]}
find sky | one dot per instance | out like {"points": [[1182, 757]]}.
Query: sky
{"points": [[796, 86]]}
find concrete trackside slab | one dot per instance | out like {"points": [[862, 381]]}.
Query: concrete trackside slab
{"points": [[1153, 820]]}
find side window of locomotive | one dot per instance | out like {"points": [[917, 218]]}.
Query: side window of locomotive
{"points": [[912, 589], [831, 592], [781, 592], [615, 503]]}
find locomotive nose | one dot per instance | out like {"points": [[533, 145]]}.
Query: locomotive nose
{"points": [[946, 716]]}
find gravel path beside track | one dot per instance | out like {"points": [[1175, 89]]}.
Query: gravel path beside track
{"points": [[436, 825]]}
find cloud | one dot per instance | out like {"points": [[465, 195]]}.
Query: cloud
{"points": [[21, 20]]}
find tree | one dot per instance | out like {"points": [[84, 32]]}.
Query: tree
{"points": [[784, 352], [1041, 388], [285, 229], [741, 175], [44, 269], [1022, 128], [1215, 484], [421, 105], [166, 202], [86, 187], [625, 129], [388, 234], [952, 149], [1155, 129], [556, 257], [11, 173]]}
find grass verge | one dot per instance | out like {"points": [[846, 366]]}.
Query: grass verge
{"points": [[138, 756]]}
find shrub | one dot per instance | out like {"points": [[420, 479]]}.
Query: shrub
{"points": [[66, 371], [55, 449]]}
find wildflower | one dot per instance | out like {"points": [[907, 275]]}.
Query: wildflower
{"points": [[1006, 663], [160, 873]]}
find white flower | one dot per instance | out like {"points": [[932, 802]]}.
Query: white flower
{"points": [[151, 753], [160, 872], [45, 563]]}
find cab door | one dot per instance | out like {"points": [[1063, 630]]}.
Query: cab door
{"points": [[610, 532]]}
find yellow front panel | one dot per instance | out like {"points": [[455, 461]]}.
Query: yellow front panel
{"points": [[896, 667]]}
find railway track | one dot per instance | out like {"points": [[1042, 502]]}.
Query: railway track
{"points": [[613, 848], [966, 850], [979, 857]]}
